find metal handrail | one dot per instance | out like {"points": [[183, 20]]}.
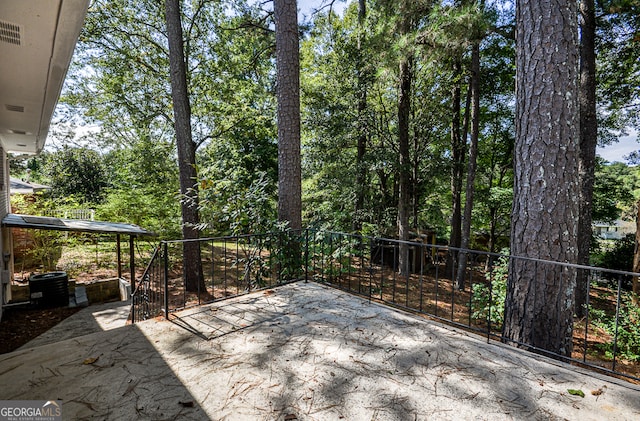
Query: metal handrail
{"points": [[237, 265]]}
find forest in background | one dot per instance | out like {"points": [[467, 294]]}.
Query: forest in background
{"points": [[114, 146]]}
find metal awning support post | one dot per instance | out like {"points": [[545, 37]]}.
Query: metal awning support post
{"points": [[132, 263], [119, 251]]}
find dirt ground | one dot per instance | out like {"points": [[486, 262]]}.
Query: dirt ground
{"points": [[20, 325]]}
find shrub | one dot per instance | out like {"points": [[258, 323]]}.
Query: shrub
{"points": [[628, 343], [620, 257], [488, 299]]}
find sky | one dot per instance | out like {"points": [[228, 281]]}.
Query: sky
{"points": [[306, 7], [617, 151]]}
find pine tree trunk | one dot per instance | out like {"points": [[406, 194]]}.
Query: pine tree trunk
{"points": [[472, 164], [404, 170], [636, 259], [288, 94], [361, 169], [457, 169], [194, 279], [540, 298], [588, 143]]}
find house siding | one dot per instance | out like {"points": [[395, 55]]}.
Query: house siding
{"points": [[5, 234]]}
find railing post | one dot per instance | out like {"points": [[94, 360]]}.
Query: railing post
{"points": [[371, 247], [490, 302], [166, 280], [306, 255], [132, 262], [586, 319], [133, 307], [615, 336]]}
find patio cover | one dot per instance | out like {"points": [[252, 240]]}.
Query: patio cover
{"points": [[13, 220]]}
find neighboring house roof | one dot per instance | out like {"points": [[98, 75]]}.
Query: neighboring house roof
{"points": [[614, 230], [37, 39], [24, 187], [13, 220], [618, 223]]}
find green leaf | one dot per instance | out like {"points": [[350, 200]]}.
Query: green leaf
{"points": [[576, 392]]}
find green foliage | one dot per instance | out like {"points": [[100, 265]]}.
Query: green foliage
{"points": [[618, 43], [620, 256], [119, 82], [628, 329], [334, 255], [287, 255], [46, 247], [228, 207], [488, 299], [76, 172], [144, 188], [613, 191]]}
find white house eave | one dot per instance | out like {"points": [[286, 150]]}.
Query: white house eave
{"points": [[36, 55]]}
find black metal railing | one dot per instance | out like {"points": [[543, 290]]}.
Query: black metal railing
{"points": [[230, 266], [607, 337], [149, 295], [418, 277]]}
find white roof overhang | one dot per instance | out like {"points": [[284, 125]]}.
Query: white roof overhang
{"points": [[37, 39]]}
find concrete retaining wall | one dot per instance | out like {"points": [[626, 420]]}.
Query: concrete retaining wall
{"points": [[98, 291]]}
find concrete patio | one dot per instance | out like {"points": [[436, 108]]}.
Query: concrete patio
{"points": [[306, 352]]}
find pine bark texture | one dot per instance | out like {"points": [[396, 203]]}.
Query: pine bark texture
{"points": [[588, 144], [405, 74], [194, 280], [465, 237], [540, 297], [636, 259], [457, 169], [404, 163], [288, 95], [361, 168]]}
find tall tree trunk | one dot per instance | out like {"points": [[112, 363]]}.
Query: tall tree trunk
{"points": [[493, 212], [540, 298], [361, 169], [404, 170], [457, 167], [288, 94], [416, 188], [636, 259], [588, 143], [404, 155], [472, 164], [194, 279]]}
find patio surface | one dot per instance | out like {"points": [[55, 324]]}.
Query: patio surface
{"points": [[306, 352]]}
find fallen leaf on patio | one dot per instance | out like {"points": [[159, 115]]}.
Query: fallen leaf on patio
{"points": [[576, 392], [187, 404], [90, 360], [598, 392], [269, 292], [290, 417]]}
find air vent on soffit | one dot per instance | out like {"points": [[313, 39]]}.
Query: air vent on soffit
{"points": [[9, 33], [16, 108]]}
